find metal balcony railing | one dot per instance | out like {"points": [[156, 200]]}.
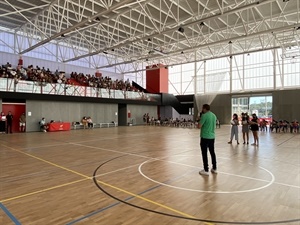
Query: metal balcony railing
{"points": [[23, 86]]}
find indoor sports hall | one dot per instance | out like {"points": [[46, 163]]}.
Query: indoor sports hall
{"points": [[104, 104]]}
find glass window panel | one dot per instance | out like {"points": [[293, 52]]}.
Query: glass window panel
{"points": [[174, 88], [187, 76], [188, 67], [187, 87], [174, 69]]}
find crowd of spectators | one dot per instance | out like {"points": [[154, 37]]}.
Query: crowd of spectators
{"points": [[170, 122], [284, 126], [32, 73], [102, 82], [42, 75], [278, 126]]}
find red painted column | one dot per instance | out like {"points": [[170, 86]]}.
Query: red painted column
{"points": [[157, 79]]}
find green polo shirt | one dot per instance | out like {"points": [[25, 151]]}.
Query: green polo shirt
{"points": [[208, 122]]}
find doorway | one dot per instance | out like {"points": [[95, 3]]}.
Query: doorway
{"points": [[260, 105], [122, 114], [16, 110]]}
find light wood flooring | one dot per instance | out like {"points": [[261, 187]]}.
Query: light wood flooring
{"points": [[145, 175]]}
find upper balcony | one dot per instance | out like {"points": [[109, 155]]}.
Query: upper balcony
{"points": [[37, 87]]}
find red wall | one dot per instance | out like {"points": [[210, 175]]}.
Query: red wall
{"points": [[16, 110], [157, 79], [164, 80]]}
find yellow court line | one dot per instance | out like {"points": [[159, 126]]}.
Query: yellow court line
{"points": [[114, 187], [43, 190], [146, 199], [51, 163]]}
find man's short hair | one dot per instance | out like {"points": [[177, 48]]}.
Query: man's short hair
{"points": [[206, 106]]}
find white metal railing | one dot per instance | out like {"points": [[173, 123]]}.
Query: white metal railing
{"points": [[10, 85]]}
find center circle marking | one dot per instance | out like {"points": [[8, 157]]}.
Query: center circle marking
{"points": [[202, 191]]}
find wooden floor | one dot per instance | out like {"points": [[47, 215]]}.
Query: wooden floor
{"points": [[145, 175]]}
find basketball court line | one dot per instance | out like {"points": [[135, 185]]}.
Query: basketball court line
{"points": [[44, 190], [86, 140], [162, 159], [286, 140], [216, 192], [9, 214], [112, 205], [128, 154], [103, 183], [189, 218]]}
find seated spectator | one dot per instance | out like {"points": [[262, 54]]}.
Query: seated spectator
{"points": [[263, 125], [90, 122], [295, 125], [43, 125], [157, 122], [84, 122], [284, 125]]}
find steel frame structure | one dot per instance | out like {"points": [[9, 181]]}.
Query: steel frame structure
{"points": [[132, 34]]}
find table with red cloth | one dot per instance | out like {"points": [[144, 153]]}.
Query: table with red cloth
{"points": [[59, 126]]}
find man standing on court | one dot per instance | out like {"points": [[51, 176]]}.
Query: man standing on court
{"points": [[207, 135]]}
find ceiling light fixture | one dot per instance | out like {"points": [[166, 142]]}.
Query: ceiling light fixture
{"points": [[159, 52], [181, 29]]}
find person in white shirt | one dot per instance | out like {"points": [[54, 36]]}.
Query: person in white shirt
{"points": [[2, 122], [90, 122], [43, 125]]}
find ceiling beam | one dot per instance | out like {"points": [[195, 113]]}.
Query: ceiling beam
{"points": [[271, 31], [74, 27], [241, 8]]}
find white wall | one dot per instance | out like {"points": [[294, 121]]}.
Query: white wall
{"points": [[67, 111]]}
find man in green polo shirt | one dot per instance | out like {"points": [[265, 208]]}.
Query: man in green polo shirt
{"points": [[207, 135]]}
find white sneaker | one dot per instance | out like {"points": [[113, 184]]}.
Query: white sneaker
{"points": [[213, 171], [203, 172]]}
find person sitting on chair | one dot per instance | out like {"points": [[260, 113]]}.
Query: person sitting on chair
{"points": [[43, 125], [90, 122], [84, 122]]}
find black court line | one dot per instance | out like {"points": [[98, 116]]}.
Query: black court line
{"points": [[286, 141], [176, 216]]}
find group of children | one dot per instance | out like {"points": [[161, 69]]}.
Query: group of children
{"points": [[254, 124]]}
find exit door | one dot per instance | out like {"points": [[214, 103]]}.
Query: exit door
{"points": [[16, 110]]}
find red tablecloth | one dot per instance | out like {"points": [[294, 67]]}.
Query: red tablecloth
{"points": [[57, 126]]}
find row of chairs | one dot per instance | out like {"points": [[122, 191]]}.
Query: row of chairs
{"points": [[175, 123], [94, 125]]}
